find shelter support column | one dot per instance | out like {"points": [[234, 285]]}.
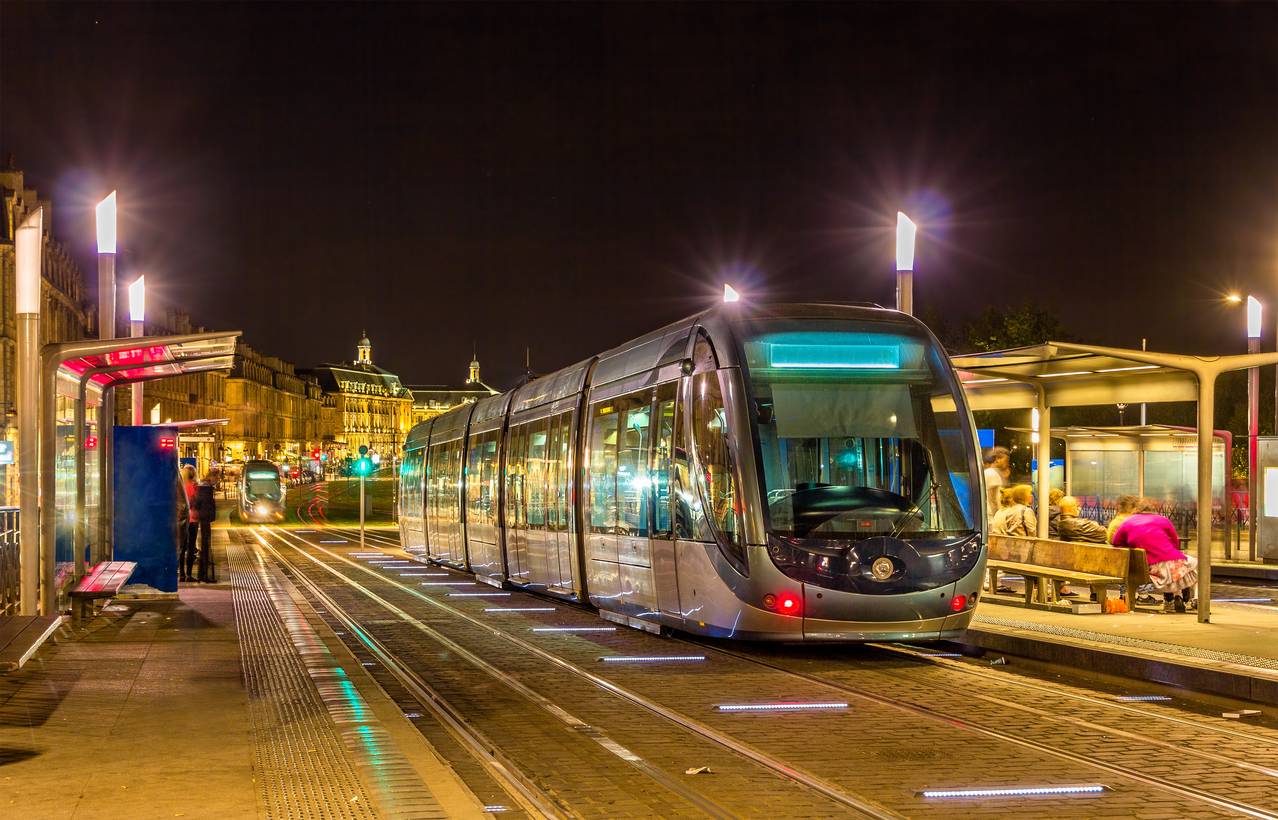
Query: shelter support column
{"points": [[1044, 456], [1206, 432], [78, 530], [48, 488]]}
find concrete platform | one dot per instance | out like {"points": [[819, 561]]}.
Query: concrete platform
{"points": [[1235, 655], [151, 709]]}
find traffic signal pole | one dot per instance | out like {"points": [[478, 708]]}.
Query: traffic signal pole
{"points": [[362, 478]]}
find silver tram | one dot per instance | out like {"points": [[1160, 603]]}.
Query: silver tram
{"points": [[780, 472]]}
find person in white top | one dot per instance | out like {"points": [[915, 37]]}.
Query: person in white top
{"points": [[998, 466]]}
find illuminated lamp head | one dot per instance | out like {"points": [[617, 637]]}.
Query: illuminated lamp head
{"points": [[106, 224], [137, 300], [730, 293], [905, 232]]}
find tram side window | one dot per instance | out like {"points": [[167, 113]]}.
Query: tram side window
{"points": [[553, 434], [717, 479], [632, 464], [489, 464], [536, 476], [663, 439], [603, 468], [515, 469], [563, 472], [474, 480]]}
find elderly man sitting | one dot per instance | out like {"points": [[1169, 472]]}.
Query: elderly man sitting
{"points": [[1072, 527]]}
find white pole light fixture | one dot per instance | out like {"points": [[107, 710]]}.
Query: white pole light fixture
{"points": [[905, 232], [27, 247], [1253, 317], [106, 224], [137, 300], [730, 294]]}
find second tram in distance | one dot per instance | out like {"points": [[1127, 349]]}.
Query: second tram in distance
{"points": [[777, 472]]}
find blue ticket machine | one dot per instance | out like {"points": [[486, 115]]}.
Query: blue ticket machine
{"points": [[146, 503]]}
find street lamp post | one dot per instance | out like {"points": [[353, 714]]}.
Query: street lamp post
{"points": [[28, 245], [1254, 314], [106, 230], [905, 232], [137, 329]]}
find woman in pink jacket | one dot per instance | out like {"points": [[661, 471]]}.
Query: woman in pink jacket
{"points": [[1171, 571]]}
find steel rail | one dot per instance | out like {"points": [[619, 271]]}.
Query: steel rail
{"points": [[525, 792], [709, 807], [1178, 789], [777, 766], [1144, 713]]}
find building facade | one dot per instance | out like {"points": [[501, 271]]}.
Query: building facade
{"points": [[64, 314], [430, 400], [364, 406], [273, 411]]}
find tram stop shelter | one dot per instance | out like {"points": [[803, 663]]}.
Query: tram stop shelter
{"points": [[1065, 374], [78, 379]]}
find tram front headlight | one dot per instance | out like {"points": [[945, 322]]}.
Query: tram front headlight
{"points": [[261, 509]]}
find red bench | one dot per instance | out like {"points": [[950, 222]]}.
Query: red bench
{"points": [[103, 581]]}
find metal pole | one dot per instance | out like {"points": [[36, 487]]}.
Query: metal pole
{"points": [[1206, 433], [77, 530], [106, 296], [28, 387], [136, 331], [106, 495], [106, 489], [29, 298], [361, 511], [905, 291], [1253, 429], [1044, 460], [48, 486], [1142, 406]]}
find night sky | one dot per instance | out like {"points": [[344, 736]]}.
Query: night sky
{"points": [[568, 177]]}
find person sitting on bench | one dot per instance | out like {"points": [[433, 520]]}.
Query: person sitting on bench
{"points": [[1070, 526]]}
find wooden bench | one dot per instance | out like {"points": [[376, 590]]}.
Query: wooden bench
{"points": [[1039, 560], [22, 635], [103, 581]]}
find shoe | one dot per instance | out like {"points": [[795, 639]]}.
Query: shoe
{"points": [[1146, 599], [1068, 593], [1002, 590], [1192, 606], [1179, 603], [1170, 606]]}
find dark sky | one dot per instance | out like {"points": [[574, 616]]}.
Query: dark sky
{"points": [[567, 177]]}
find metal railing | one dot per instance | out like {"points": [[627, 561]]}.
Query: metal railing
{"points": [[9, 568]]}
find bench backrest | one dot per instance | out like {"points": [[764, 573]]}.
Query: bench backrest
{"points": [[1096, 559]]}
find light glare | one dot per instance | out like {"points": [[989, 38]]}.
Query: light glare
{"points": [[730, 294], [106, 224], [905, 231]]}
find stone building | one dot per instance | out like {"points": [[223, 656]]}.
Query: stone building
{"points": [[64, 315], [273, 411], [364, 405], [430, 400]]}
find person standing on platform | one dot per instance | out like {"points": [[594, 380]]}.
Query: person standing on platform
{"points": [[205, 508], [998, 466], [190, 526]]}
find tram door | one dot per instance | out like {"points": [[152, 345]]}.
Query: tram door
{"points": [[663, 546]]}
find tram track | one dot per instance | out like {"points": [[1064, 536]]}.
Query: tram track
{"points": [[1172, 750], [1143, 713], [775, 766], [1177, 789]]}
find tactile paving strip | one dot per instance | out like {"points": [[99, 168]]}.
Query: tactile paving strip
{"points": [[314, 733], [1133, 643]]}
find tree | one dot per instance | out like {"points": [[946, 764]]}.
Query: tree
{"points": [[1021, 326]]}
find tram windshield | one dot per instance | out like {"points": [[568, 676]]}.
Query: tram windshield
{"points": [[858, 432]]}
